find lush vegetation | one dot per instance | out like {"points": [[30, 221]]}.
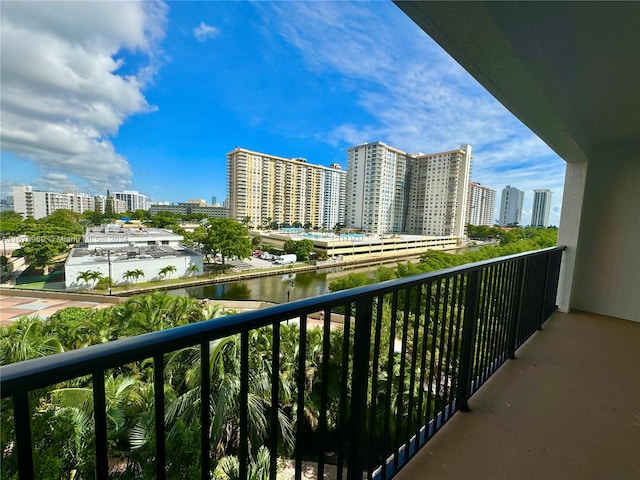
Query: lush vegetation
{"points": [[513, 241]]}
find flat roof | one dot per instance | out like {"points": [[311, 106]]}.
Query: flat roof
{"points": [[94, 255]]}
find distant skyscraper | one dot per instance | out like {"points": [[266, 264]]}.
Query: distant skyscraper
{"points": [[510, 206], [541, 208], [481, 204]]}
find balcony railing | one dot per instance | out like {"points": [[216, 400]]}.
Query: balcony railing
{"points": [[387, 365]]}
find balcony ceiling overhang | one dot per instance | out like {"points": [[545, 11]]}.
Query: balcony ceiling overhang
{"points": [[570, 71]]}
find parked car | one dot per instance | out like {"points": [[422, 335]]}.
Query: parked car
{"points": [[266, 256]]}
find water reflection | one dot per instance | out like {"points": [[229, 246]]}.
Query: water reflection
{"points": [[274, 289]]}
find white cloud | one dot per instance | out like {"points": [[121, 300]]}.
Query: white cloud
{"points": [[418, 97], [203, 31], [63, 93]]}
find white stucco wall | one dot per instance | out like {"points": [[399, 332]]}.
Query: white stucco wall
{"points": [[606, 279], [150, 267]]}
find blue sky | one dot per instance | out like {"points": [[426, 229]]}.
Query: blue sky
{"points": [[151, 96]]}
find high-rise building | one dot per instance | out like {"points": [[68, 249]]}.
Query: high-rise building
{"points": [[376, 183], [39, 204], [268, 189], [510, 206], [133, 199], [105, 204], [481, 204], [437, 201], [541, 208]]}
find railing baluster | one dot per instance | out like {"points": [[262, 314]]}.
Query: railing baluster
{"points": [[432, 362], [360, 379], [374, 388], [441, 353], [300, 385], [412, 373], [324, 388], [100, 422], [275, 405], [390, 363], [158, 390], [403, 360], [458, 327], [423, 359], [243, 451], [344, 388], [205, 411], [468, 340], [22, 419]]}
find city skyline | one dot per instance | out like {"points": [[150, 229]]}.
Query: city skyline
{"points": [[156, 102]]}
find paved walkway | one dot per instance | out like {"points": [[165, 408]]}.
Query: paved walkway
{"points": [[14, 307]]}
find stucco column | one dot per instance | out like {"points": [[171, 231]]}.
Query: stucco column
{"points": [[569, 232]]}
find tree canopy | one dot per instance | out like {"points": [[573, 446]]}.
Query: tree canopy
{"points": [[225, 236]]}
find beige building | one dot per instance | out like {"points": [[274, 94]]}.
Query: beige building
{"points": [[437, 202], [268, 189]]}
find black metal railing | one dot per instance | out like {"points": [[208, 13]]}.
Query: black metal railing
{"points": [[375, 371]]}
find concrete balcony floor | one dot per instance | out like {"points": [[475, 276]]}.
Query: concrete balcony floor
{"points": [[567, 408]]}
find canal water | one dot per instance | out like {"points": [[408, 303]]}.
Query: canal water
{"points": [[279, 289], [276, 289]]}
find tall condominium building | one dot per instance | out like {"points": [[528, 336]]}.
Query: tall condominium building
{"points": [[438, 186], [268, 189], [39, 204], [117, 206], [481, 204], [133, 199], [510, 206], [376, 183], [541, 208]]}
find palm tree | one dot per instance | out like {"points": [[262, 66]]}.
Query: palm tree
{"points": [[192, 269], [24, 339], [167, 271], [135, 274], [90, 277]]}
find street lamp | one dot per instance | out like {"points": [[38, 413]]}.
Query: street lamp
{"points": [[109, 262]]}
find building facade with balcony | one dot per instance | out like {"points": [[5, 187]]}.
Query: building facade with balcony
{"points": [[133, 199], [481, 204], [438, 193], [39, 204], [376, 181], [270, 189]]}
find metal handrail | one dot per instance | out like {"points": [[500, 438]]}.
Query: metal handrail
{"points": [[44, 371]]}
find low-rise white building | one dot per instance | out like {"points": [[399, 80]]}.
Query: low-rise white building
{"points": [[115, 251]]}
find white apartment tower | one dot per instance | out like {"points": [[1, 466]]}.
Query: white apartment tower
{"points": [[510, 206], [335, 193], [437, 201], [376, 180], [541, 208], [38, 204], [481, 204], [133, 199], [267, 189]]}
